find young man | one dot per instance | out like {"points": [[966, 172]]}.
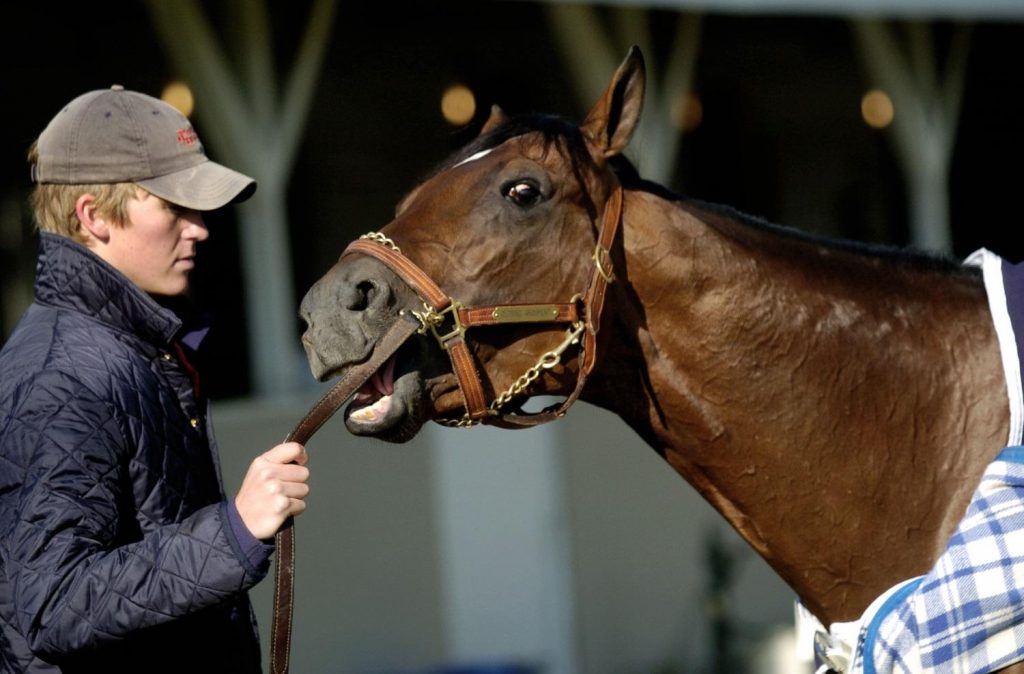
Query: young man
{"points": [[119, 551]]}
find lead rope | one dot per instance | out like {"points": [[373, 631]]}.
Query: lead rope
{"points": [[284, 575]]}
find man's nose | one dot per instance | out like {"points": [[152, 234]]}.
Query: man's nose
{"points": [[197, 227]]}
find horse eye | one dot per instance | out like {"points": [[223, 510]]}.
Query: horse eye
{"points": [[522, 192]]}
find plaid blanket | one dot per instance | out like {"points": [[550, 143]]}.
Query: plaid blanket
{"points": [[967, 615]]}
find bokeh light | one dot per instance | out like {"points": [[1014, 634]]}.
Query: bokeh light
{"points": [[687, 111], [877, 110], [458, 104], [178, 94]]}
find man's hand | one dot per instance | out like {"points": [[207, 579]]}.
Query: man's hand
{"points": [[274, 489]]}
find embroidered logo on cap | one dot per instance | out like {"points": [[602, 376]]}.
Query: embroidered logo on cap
{"points": [[187, 136]]}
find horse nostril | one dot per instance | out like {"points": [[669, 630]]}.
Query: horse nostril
{"points": [[365, 293]]}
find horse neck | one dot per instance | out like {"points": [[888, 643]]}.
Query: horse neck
{"points": [[838, 410]]}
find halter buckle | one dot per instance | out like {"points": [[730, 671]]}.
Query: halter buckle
{"points": [[603, 261], [436, 321]]}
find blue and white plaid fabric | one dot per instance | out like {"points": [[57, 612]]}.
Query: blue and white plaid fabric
{"points": [[967, 615]]}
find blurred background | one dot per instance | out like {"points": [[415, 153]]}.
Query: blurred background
{"points": [[570, 548]]}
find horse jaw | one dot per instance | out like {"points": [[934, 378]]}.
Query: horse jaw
{"points": [[343, 323]]}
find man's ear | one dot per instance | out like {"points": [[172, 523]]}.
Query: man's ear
{"points": [[91, 224]]}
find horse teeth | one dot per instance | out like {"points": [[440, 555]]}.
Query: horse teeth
{"points": [[365, 414], [373, 412]]}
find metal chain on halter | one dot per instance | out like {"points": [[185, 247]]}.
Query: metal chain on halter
{"points": [[377, 237], [546, 362]]}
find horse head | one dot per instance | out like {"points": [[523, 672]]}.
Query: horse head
{"points": [[505, 235]]}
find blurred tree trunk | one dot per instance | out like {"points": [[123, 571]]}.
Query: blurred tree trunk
{"points": [[17, 260], [927, 101], [254, 124], [592, 55]]}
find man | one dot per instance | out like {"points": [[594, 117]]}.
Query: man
{"points": [[118, 548]]}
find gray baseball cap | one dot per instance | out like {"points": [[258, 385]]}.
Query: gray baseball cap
{"points": [[116, 136]]}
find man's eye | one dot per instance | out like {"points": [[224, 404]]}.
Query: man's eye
{"points": [[177, 211], [522, 192]]}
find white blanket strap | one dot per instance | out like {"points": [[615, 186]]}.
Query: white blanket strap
{"points": [[992, 273], [835, 649]]}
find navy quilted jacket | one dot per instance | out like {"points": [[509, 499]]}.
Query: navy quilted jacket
{"points": [[116, 554]]}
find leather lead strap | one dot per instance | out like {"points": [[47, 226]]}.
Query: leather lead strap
{"points": [[284, 574]]}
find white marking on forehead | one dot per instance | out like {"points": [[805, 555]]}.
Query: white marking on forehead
{"points": [[474, 157]]}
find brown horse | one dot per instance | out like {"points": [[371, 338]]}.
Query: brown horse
{"points": [[837, 403]]}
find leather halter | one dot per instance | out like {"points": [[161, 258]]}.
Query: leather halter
{"points": [[448, 320]]}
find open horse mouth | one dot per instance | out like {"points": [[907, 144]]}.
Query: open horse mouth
{"points": [[388, 405], [372, 402], [395, 402]]}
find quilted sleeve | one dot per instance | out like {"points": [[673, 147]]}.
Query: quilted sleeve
{"points": [[76, 583]]}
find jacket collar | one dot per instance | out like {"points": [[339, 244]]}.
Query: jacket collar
{"points": [[70, 276]]}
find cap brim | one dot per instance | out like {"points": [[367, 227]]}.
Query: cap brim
{"points": [[204, 187]]}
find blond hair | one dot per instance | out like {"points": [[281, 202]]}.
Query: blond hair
{"points": [[53, 205]]}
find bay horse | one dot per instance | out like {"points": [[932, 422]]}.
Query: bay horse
{"points": [[836, 402]]}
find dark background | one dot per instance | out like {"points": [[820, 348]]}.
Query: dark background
{"points": [[781, 135]]}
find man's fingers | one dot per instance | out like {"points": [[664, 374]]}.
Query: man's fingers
{"points": [[296, 507], [288, 489], [288, 472], [287, 452], [273, 489]]}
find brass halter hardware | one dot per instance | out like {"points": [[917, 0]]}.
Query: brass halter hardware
{"points": [[382, 240], [433, 321], [603, 263]]}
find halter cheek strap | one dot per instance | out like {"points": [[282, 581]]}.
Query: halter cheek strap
{"points": [[448, 320]]}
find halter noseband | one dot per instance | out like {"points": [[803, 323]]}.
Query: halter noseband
{"points": [[448, 320]]}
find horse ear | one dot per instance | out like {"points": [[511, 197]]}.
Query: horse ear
{"points": [[497, 118], [611, 122]]}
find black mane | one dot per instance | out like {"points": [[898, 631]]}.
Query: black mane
{"points": [[567, 135], [925, 261]]}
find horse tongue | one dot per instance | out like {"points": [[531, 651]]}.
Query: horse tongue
{"points": [[373, 400], [384, 378], [382, 383]]}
